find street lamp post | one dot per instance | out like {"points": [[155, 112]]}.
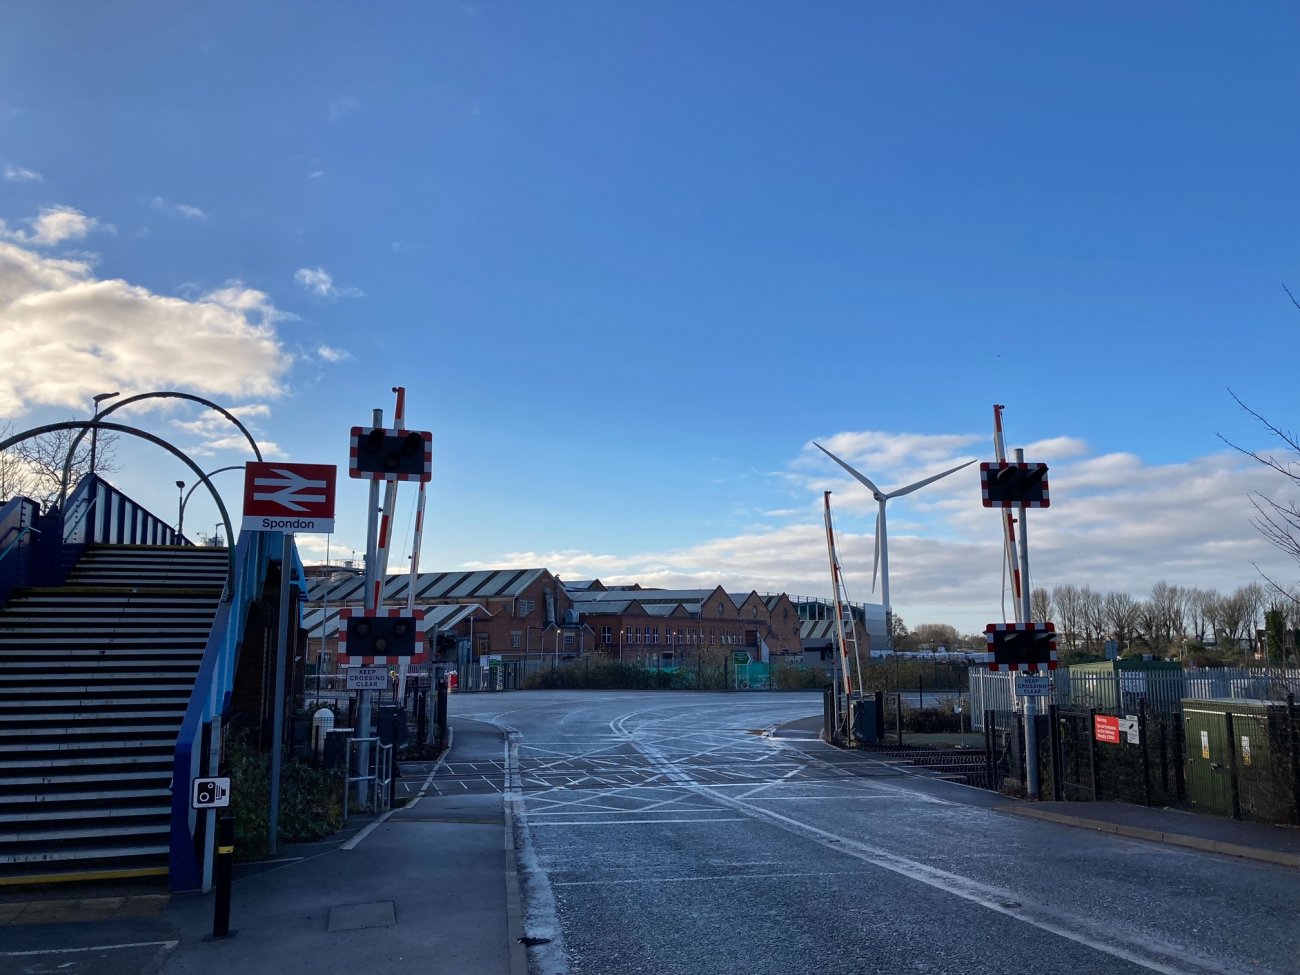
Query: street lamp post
{"points": [[94, 431], [180, 506]]}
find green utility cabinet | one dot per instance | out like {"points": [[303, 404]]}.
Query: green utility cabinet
{"points": [[1238, 759]]}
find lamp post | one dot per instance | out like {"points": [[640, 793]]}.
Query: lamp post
{"points": [[94, 431], [180, 506], [185, 499]]}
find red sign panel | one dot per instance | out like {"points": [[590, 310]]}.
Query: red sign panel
{"points": [[1107, 729], [289, 497]]}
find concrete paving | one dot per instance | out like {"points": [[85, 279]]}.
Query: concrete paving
{"points": [[429, 888]]}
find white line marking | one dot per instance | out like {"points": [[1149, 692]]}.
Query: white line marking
{"points": [[721, 876], [72, 951], [1150, 953], [629, 822]]}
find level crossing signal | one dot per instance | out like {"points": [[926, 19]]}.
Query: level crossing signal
{"points": [[1011, 484], [382, 454], [380, 636], [1021, 646]]}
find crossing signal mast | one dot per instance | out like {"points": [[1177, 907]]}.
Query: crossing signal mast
{"points": [[1024, 646], [846, 631]]}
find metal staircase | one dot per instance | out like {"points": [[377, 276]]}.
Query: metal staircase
{"points": [[95, 677]]}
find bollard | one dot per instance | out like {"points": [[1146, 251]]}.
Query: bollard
{"points": [[223, 875]]}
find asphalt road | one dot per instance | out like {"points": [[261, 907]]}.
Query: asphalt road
{"points": [[667, 833]]}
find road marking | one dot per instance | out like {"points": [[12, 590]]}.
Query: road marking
{"points": [[631, 822], [705, 879], [168, 945], [1150, 953]]}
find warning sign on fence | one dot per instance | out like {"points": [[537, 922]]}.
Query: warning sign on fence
{"points": [[1107, 729]]}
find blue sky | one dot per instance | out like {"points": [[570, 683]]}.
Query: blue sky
{"points": [[630, 259]]}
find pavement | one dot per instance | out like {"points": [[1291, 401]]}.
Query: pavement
{"points": [[430, 887], [433, 887]]}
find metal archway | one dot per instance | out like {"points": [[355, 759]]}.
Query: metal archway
{"points": [[186, 500], [84, 425], [161, 394]]}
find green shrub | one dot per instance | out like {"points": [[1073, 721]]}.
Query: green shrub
{"points": [[311, 800]]}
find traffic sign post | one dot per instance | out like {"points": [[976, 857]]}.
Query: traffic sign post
{"points": [[213, 792], [286, 498]]}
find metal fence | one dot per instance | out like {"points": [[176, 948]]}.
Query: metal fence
{"points": [[1119, 692], [1227, 757]]}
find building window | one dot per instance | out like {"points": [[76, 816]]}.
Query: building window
{"points": [[636, 634], [482, 640], [606, 635], [526, 606], [568, 641], [516, 639], [652, 635], [719, 609]]}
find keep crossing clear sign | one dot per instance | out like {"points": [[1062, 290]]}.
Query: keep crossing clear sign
{"points": [[367, 678]]}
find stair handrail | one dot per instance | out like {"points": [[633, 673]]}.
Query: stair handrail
{"points": [[212, 691]]}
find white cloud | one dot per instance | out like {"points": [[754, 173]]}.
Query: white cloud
{"points": [[316, 174], [321, 283], [54, 225], [1116, 523], [178, 209], [21, 174], [66, 334], [330, 354]]}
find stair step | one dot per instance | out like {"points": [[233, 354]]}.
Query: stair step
{"points": [[140, 776], [88, 854], [62, 746], [86, 762], [77, 718], [60, 801], [67, 731], [73, 814]]}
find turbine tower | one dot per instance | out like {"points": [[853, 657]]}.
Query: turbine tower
{"points": [[882, 535]]}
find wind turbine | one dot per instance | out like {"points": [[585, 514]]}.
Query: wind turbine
{"points": [[882, 536]]}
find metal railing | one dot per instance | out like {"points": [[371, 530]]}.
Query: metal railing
{"points": [[378, 773], [211, 695], [1118, 692]]}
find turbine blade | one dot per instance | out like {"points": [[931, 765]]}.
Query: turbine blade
{"points": [[861, 478], [929, 480], [876, 564]]}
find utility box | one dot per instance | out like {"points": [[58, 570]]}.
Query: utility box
{"points": [[868, 721], [1238, 759]]}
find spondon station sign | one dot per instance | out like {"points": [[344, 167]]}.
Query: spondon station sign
{"points": [[289, 497]]}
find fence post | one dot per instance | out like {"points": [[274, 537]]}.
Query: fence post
{"points": [[898, 716], [988, 748], [1054, 740], [1146, 751], [1232, 767], [1294, 742], [1092, 755]]}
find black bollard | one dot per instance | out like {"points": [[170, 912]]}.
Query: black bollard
{"points": [[223, 870]]}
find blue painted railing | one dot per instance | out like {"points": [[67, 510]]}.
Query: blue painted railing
{"points": [[99, 514], [18, 539], [212, 689]]}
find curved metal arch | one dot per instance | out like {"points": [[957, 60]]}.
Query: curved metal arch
{"points": [[84, 425], [193, 487], [160, 394]]}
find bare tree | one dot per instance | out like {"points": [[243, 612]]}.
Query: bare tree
{"points": [[1120, 611], [35, 466], [935, 635], [1201, 606], [1094, 618], [1168, 607], [1070, 609], [1040, 605]]}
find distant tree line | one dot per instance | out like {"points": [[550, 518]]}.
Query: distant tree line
{"points": [[1202, 626]]}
